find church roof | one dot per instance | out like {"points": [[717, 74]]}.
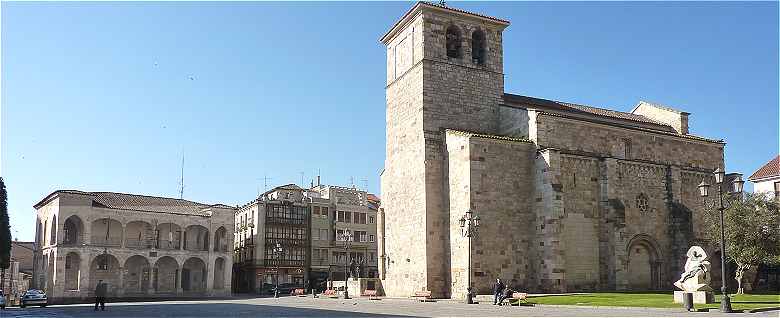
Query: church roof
{"points": [[138, 202], [770, 169], [634, 121], [569, 107]]}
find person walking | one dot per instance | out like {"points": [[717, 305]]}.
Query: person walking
{"points": [[498, 288], [100, 295]]}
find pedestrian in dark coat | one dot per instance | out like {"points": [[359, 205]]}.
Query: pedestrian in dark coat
{"points": [[100, 295], [498, 288]]}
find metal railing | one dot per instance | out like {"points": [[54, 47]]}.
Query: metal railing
{"points": [[284, 262], [102, 241]]}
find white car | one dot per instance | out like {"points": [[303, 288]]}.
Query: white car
{"points": [[34, 297]]}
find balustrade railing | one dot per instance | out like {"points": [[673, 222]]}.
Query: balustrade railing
{"points": [[136, 243], [222, 247], [168, 245], [103, 241]]}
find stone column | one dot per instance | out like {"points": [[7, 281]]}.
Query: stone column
{"points": [[84, 285], [122, 239], [86, 232], [181, 239], [179, 290], [120, 290], [210, 275], [150, 286]]}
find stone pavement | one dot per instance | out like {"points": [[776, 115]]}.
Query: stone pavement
{"points": [[325, 307]]}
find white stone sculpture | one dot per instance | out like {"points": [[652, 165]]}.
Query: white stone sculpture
{"points": [[696, 276]]}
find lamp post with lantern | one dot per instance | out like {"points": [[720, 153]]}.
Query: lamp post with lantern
{"points": [[469, 225], [347, 237], [278, 252], [704, 187]]}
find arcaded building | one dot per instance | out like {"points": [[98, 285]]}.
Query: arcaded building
{"points": [[571, 197], [141, 246]]}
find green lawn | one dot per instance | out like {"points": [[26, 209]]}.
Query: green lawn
{"points": [[656, 300]]}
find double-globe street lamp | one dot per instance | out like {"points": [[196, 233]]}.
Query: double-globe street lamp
{"points": [[704, 191], [347, 237], [278, 252], [469, 224]]}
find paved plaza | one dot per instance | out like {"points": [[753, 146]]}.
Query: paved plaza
{"points": [[324, 307]]}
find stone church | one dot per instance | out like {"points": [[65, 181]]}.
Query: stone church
{"points": [[570, 197]]}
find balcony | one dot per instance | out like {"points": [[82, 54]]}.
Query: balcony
{"points": [[320, 262], [168, 245], [108, 242], [283, 263], [222, 247], [286, 221], [136, 243]]}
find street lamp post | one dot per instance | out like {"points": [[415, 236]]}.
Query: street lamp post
{"points": [[469, 224], [738, 183], [278, 251], [347, 238]]}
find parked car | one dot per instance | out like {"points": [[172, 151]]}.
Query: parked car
{"points": [[34, 297], [2, 300]]}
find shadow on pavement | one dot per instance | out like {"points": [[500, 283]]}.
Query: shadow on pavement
{"points": [[183, 310]]}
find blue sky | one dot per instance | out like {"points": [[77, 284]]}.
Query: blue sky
{"points": [[106, 96]]}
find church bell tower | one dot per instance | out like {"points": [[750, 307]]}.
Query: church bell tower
{"points": [[444, 71]]}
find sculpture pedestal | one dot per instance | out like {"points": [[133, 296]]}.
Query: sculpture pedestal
{"points": [[699, 297]]}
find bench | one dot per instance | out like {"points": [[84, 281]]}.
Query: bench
{"points": [[516, 298], [371, 293], [300, 292], [423, 296], [330, 293]]}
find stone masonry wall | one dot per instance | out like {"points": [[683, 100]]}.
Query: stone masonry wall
{"points": [[403, 180], [604, 140], [579, 177], [482, 172]]}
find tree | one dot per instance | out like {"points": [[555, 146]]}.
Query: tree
{"points": [[5, 235], [752, 230]]}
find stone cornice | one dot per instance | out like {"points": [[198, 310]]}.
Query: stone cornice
{"points": [[495, 137]]}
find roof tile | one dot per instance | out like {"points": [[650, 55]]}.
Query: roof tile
{"points": [[770, 169]]}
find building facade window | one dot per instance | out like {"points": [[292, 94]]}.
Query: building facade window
{"points": [[453, 42], [478, 47], [641, 203], [371, 238], [371, 219], [626, 148]]}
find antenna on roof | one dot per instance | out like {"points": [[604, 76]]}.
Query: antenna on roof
{"points": [[181, 182], [265, 183], [302, 178], [365, 184], [352, 181]]}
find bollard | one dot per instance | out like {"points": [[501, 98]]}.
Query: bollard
{"points": [[688, 301]]}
